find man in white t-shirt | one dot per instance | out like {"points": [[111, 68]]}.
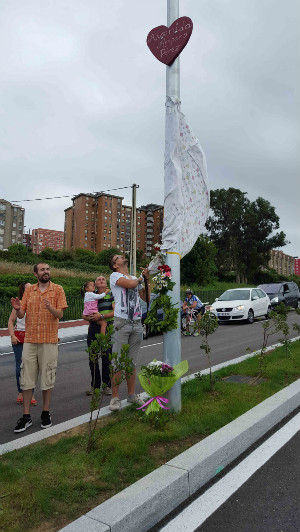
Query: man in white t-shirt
{"points": [[127, 291]]}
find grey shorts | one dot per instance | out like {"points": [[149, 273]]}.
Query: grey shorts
{"points": [[126, 332]]}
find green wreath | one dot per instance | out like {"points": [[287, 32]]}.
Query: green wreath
{"points": [[170, 313]]}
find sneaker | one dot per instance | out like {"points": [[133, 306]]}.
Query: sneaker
{"points": [[115, 404], [188, 333], [23, 424], [136, 399], [46, 420], [107, 390], [90, 391], [196, 334]]}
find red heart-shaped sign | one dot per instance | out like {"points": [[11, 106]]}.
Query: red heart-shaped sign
{"points": [[167, 43]]}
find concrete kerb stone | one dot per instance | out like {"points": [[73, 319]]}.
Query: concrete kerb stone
{"points": [[206, 458], [86, 524], [140, 506]]}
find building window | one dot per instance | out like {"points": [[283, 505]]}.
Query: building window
{"points": [[86, 212]]}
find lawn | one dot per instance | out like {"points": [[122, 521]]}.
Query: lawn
{"points": [[51, 483]]}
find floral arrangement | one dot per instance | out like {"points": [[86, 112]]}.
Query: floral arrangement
{"points": [[156, 379], [163, 280], [163, 284]]}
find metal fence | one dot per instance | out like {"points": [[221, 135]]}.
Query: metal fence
{"points": [[75, 305]]}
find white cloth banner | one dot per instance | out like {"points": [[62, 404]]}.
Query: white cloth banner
{"points": [[186, 202]]}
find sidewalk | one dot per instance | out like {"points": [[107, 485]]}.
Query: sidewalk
{"points": [[67, 331]]}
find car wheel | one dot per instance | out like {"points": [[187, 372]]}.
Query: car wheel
{"points": [[250, 318], [268, 312]]}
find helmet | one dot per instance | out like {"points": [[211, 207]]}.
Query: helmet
{"points": [[189, 291]]}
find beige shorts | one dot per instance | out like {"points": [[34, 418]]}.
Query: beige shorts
{"points": [[38, 359]]}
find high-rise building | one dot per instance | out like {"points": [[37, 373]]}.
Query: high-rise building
{"points": [[46, 238], [11, 224], [282, 263], [297, 266], [101, 221], [27, 240]]}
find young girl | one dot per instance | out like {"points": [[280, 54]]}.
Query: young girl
{"points": [[90, 301], [16, 328]]}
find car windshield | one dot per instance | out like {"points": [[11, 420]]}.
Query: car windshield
{"points": [[234, 295], [270, 288]]}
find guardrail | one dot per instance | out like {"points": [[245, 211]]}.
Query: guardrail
{"points": [[75, 305]]}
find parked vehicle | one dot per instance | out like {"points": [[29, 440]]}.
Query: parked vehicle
{"points": [[286, 292], [144, 313], [241, 304]]}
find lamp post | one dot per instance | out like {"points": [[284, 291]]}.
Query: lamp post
{"points": [[172, 339]]}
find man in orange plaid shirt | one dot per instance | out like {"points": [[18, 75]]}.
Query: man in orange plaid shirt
{"points": [[43, 305]]}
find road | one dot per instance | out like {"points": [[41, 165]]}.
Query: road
{"points": [[73, 377], [260, 494]]}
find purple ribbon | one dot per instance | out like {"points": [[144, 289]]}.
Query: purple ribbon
{"points": [[158, 398]]}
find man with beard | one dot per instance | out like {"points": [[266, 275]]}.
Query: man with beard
{"points": [[43, 303], [128, 329]]}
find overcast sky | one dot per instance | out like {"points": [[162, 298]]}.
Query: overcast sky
{"points": [[82, 101]]}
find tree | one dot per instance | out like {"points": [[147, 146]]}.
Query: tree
{"points": [[199, 266], [104, 256], [243, 232]]}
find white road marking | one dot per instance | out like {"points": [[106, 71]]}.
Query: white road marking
{"points": [[202, 508], [150, 345]]}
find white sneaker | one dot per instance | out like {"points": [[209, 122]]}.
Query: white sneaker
{"points": [[115, 404], [106, 390], [136, 399]]}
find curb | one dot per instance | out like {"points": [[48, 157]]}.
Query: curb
{"points": [[139, 507]]}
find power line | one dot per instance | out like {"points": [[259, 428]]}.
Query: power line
{"points": [[70, 196]]}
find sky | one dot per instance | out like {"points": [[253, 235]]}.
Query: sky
{"points": [[83, 101]]}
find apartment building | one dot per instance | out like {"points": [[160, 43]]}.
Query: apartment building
{"points": [[282, 263], [27, 240], [101, 221], [46, 238], [11, 224], [297, 266]]}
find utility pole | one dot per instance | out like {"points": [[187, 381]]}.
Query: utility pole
{"points": [[172, 339], [133, 232]]}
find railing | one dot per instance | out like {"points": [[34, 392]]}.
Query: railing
{"points": [[75, 305], [205, 295]]}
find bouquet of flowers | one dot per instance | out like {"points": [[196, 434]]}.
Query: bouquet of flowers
{"points": [[156, 379], [157, 259], [163, 280]]}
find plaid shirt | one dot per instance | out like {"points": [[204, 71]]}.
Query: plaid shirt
{"points": [[41, 327]]}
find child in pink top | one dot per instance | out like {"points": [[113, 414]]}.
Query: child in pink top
{"points": [[90, 301]]}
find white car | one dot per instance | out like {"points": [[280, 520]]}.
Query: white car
{"points": [[241, 304]]}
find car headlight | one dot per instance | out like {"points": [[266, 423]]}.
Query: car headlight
{"points": [[239, 307], [274, 300]]}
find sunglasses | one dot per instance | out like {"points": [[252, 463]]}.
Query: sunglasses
{"points": [[117, 257]]}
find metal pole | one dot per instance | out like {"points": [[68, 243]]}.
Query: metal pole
{"points": [[172, 339], [133, 233]]}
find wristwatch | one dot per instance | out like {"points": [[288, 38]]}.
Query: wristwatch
{"points": [[102, 316]]}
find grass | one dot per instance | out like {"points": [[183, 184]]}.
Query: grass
{"points": [[47, 485], [22, 268]]}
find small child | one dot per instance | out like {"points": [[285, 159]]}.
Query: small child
{"points": [[90, 301]]}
